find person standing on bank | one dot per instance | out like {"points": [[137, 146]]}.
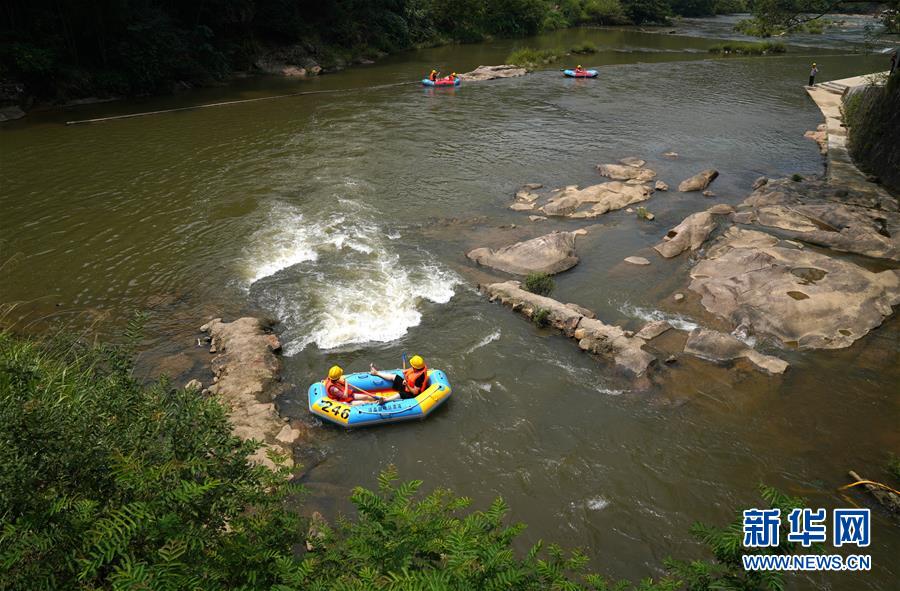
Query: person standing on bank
{"points": [[812, 74]]}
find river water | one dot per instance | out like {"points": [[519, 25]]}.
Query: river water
{"points": [[347, 216]]}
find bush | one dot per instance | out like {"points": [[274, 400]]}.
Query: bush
{"points": [[583, 48], [738, 48], [106, 483], [533, 58], [539, 283], [796, 177], [541, 317]]}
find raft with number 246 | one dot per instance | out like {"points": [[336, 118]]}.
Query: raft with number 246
{"points": [[437, 391]]}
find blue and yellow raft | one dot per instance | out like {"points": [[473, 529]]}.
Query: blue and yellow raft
{"points": [[437, 391]]}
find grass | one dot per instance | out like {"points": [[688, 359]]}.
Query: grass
{"points": [[541, 317], [532, 58], [739, 48], [644, 213], [539, 283]]}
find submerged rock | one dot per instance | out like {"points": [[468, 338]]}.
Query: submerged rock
{"points": [[797, 296], [569, 202], [551, 253], [609, 342], [246, 370], [482, 73], [717, 346], [699, 181], [637, 260]]}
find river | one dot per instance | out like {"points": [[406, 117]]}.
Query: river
{"points": [[347, 215]]}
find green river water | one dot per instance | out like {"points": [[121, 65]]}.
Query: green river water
{"points": [[347, 215]]}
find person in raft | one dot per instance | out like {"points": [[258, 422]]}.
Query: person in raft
{"points": [[812, 74], [433, 76], [337, 389], [409, 385], [579, 70]]}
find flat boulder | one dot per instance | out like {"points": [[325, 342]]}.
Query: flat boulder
{"points": [[626, 172], [594, 200], [637, 261], [482, 73], [699, 181], [551, 253], [717, 346], [800, 297]]}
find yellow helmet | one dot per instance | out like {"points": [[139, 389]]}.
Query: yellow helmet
{"points": [[335, 372], [578, 66], [417, 362], [454, 74]]}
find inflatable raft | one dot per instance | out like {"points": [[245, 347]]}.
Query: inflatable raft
{"points": [[442, 82], [585, 74], [364, 415]]}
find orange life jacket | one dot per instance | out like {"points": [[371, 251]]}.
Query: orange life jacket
{"points": [[416, 378], [432, 76], [335, 390]]}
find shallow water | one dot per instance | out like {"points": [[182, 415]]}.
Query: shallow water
{"points": [[347, 216]]}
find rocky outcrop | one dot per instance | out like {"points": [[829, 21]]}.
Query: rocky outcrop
{"points": [[690, 233], [817, 213], [630, 169], [246, 370], [493, 72], [699, 181], [606, 341], [797, 296], [551, 253], [571, 201], [11, 113], [716, 346]]}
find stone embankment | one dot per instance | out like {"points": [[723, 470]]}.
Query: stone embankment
{"points": [[246, 370]]}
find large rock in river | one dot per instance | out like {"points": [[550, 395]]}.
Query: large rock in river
{"points": [[699, 181], [716, 346], [551, 253], [609, 342], [798, 296], [690, 233], [492, 72], [571, 201], [629, 170]]}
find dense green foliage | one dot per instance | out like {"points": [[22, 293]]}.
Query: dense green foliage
{"points": [[539, 283], [775, 17], [739, 48], [108, 484], [874, 122], [62, 50]]}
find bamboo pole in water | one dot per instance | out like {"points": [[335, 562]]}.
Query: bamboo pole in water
{"points": [[226, 103]]}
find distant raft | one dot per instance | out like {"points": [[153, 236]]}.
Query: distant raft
{"points": [[448, 81], [437, 391], [584, 74]]}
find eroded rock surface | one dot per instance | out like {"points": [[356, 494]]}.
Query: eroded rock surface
{"points": [[551, 253], [797, 296], [699, 181], [716, 346], [247, 369], [572, 201], [609, 342], [690, 233], [493, 72], [628, 171], [815, 212]]}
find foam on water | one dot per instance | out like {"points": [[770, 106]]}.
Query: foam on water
{"points": [[676, 320], [484, 342], [338, 280]]}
